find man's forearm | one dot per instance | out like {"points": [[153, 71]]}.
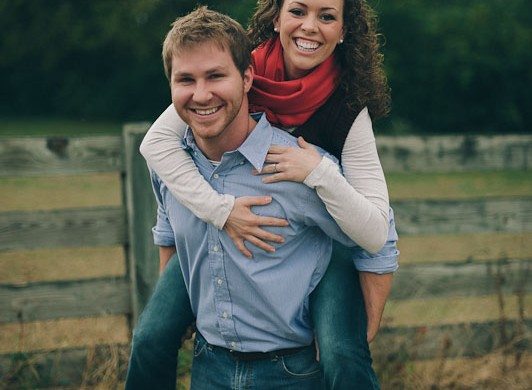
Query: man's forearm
{"points": [[165, 253], [376, 289]]}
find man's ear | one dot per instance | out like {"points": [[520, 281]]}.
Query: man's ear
{"points": [[248, 78]]}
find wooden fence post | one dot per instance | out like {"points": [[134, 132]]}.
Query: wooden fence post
{"points": [[142, 255]]}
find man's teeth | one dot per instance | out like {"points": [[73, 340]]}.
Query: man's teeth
{"points": [[208, 111], [307, 45]]}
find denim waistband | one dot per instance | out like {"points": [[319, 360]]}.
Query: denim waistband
{"points": [[249, 356]]}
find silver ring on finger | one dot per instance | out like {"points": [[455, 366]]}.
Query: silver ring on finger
{"points": [[276, 169]]}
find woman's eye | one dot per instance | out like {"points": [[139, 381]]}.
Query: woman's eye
{"points": [[327, 17], [296, 11]]}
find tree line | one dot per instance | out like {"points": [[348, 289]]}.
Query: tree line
{"points": [[454, 66]]}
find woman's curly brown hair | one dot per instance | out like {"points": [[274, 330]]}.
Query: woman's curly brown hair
{"points": [[362, 77]]}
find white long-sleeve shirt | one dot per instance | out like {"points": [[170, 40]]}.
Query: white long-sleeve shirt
{"points": [[358, 201]]}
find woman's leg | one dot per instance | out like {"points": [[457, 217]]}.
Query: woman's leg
{"points": [[339, 319], [157, 336]]}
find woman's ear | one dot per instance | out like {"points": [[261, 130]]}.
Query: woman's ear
{"points": [[276, 24]]}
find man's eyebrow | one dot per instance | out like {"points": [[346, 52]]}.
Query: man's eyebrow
{"points": [[178, 73], [216, 69]]}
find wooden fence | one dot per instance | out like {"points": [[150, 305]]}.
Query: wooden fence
{"points": [[129, 226]]}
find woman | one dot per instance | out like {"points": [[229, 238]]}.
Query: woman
{"points": [[323, 53]]}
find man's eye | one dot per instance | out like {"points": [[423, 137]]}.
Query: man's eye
{"points": [[216, 76], [296, 11], [185, 80]]}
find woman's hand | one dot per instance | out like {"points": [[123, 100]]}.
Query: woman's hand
{"points": [[290, 164], [243, 225]]}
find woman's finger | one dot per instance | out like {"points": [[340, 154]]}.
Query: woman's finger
{"points": [[303, 144], [239, 243], [276, 149], [266, 169], [271, 221], [277, 177], [260, 244], [254, 200], [264, 235], [273, 158]]}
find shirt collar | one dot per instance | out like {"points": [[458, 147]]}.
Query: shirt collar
{"points": [[254, 148]]}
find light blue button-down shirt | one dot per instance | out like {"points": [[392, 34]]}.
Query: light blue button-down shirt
{"points": [[261, 304]]}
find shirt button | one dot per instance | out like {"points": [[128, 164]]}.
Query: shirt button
{"points": [[224, 315], [215, 248], [219, 281], [216, 176]]}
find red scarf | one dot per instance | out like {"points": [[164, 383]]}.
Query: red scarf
{"points": [[288, 103]]}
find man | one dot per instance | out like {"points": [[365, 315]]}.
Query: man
{"points": [[251, 315]]}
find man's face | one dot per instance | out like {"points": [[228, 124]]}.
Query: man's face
{"points": [[208, 90]]}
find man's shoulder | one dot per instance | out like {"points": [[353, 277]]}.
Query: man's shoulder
{"points": [[283, 137]]}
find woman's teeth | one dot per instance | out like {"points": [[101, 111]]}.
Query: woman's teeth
{"points": [[306, 45]]}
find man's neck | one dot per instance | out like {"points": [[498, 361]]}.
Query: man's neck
{"points": [[214, 148]]}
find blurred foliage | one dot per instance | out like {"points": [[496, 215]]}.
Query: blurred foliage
{"points": [[454, 66], [459, 66]]}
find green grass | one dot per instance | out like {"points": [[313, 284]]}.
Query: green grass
{"points": [[459, 185], [56, 127]]}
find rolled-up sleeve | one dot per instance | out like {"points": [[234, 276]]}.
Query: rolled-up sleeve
{"points": [[163, 234], [386, 260]]}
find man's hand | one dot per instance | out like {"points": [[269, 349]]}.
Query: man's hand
{"points": [[376, 289], [242, 225]]}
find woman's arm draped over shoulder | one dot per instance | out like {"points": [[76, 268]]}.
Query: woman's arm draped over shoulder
{"points": [[359, 202], [162, 150]]}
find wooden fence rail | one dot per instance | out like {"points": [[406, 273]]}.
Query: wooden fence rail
{"points": [[71, 155], [107, 225], [129, 226]]}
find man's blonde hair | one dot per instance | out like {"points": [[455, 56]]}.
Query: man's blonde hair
{"points": [[204, 25]]}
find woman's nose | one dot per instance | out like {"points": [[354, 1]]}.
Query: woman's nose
{"points": [[309, 24]]}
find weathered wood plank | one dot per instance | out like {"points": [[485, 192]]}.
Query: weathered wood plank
{"points": [[455, 153], [465, 279], [463, 216], [59, 155], [450, 341], [62, 228], [56, 155], [143, 264], [45, 301], [71, 368], [105, 225]]}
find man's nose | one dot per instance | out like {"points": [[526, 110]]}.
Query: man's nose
{"points": [[202, 93]]}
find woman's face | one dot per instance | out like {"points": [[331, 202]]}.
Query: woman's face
{"points": [[309, 32]]}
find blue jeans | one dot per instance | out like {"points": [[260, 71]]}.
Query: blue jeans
{"points": [[216, 368], [340, 325], [157, 336], [338, 315]]}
